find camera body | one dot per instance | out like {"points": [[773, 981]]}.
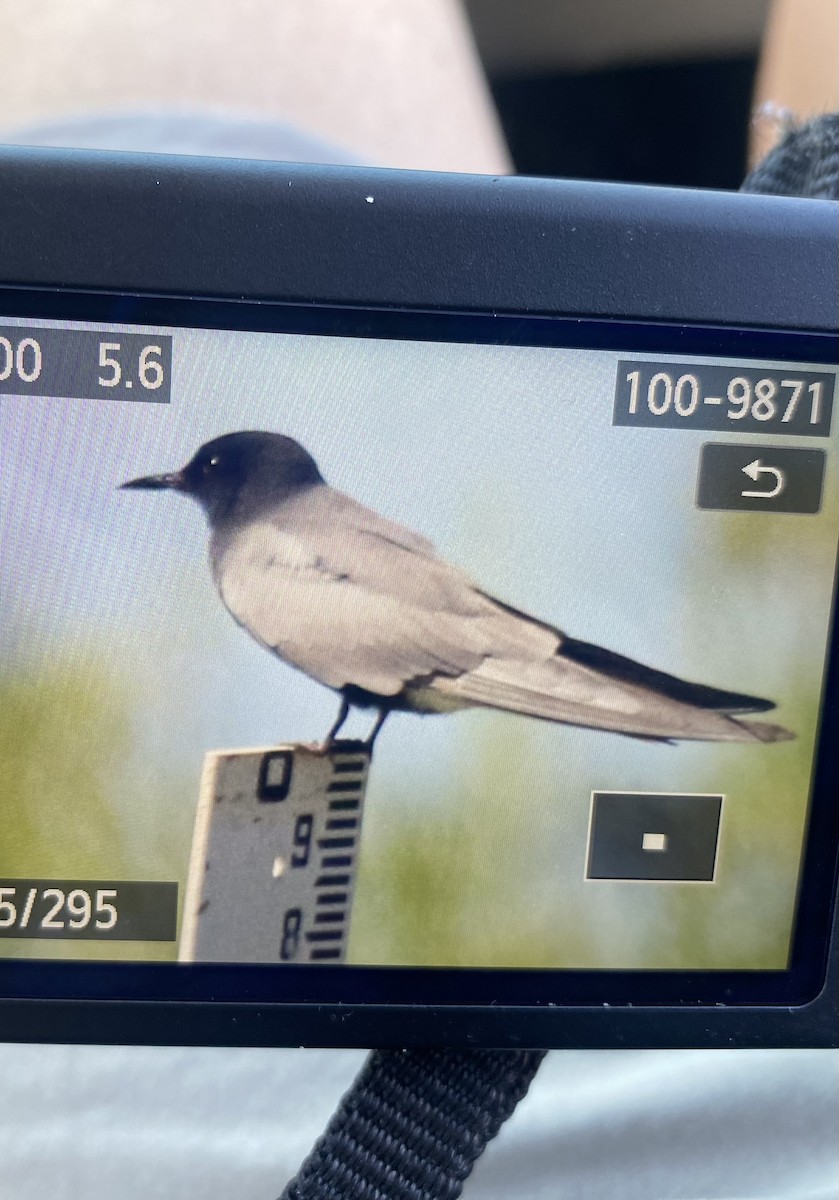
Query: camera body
{"points": [[612, 408]]}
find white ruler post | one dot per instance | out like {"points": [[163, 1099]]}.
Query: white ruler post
{"points": [[272, 869]]}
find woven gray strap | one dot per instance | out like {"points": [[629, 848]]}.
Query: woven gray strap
{"points": [[804, 163], [413, 1124]]}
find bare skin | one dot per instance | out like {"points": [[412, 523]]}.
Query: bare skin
{"points": [[799, 70], [397, 84]]}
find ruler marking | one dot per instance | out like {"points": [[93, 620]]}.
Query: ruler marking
{"points": [[333, 804]]}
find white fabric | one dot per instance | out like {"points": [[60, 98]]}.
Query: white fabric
{"points": [[175, 1124], [182, 132]]}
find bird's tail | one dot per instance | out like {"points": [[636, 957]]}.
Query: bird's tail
{"points": [[595, 688]]}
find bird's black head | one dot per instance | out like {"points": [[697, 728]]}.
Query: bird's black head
{"points": [[240, 475]]}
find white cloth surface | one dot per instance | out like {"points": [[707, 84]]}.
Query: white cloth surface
{"points": [[231, 135], [94, 1123]]}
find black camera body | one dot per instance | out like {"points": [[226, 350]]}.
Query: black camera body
{"points": [[625, 392]]}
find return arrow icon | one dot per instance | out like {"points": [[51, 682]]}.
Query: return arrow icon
{"points": [[792, 484], [754, 470]]}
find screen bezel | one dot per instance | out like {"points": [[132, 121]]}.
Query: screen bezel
{"points": [[95, 223], [443, 992]]}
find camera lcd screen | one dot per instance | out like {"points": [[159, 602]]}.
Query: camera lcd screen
{"points": [[574, 602]]}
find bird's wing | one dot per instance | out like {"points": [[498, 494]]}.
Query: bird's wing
{"points": [[560, 689], [353, 599]]}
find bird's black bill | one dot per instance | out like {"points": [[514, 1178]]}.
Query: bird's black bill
{"points": [[174, 480]]}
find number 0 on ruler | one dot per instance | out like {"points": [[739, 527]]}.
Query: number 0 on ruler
{"points": [[272, 869]]}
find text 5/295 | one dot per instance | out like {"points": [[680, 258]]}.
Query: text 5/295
{"points": [[53, 910], [115, 910]]}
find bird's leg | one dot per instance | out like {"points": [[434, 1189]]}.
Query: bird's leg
{"points": [[384, 713], [343, 713]]}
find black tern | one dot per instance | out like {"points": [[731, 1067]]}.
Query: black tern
{"points": [[368, 608]]}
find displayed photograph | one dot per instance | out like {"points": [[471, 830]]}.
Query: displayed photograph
{"points": [[406, 653]]}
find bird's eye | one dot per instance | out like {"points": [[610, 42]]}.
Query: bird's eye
{"points": [[211, 464]]}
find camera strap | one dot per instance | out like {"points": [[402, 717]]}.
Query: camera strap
{"points": [[804, 163], [414, 1123]]}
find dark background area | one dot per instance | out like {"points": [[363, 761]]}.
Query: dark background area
{"points": [[679, 123]]}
